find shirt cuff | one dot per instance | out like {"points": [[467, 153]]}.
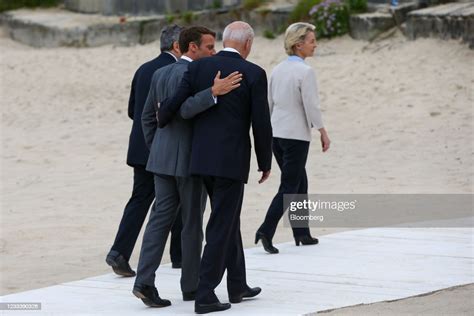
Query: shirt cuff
{"points": [[215, 99]]}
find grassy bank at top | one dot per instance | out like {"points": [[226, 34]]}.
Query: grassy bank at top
{"points": [[6, 5]]}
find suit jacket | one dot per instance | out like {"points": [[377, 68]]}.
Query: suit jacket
{"points": [[221, 142], [170, 147], [294, 100], [137, 151]]}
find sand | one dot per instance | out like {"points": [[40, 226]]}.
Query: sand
{"points": [[398, 112], [456, 300]]}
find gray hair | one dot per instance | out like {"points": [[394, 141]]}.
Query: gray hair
{"points": [[169, 35], [238, 31], [296, 33]]}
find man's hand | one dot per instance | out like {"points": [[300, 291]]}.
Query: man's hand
{"points": [[227, 84], [265, 176]]}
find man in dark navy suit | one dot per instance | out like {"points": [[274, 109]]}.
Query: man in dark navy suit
{"points": [[143, 187], [221, 156]]}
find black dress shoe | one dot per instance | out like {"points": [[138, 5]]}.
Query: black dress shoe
{"points": [[306, 240], [189, 296], [250, 292], [266, 242], [209, 308], [176, 265], [120, 265], [149, 296]]}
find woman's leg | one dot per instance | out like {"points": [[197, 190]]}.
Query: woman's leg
{"points": [[291, 156], [303, 192]]}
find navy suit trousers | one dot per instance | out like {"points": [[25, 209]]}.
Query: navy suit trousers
{"points": [[291, 156], [223, 250]]}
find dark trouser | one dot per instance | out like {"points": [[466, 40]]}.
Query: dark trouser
{"points": [[223, 248], [187, 194], [134, 215], [175, 239], [291, 157]]}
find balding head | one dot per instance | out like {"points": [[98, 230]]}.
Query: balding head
{"points": [[239, 35]]}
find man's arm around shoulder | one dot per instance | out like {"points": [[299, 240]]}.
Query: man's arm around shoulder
{"points": [[170, 106]]}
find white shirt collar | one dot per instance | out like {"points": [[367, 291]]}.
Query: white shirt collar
{"points": [[230, 49], [186, 58], [172, 55], [295, 58]]}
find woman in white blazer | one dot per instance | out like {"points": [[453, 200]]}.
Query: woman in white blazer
{"points": [[294, 107]]}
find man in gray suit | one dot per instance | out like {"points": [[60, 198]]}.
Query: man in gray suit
{"points": [[170, 151]]}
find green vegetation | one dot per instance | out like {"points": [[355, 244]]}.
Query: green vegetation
{"points": [[187, 17], [281, 29], [170, 18], [264, 12], [331, 17], [357, 6], [252, 4], [236, 13], [301, 10], [268, 34], [6, 5], [216, 4]]}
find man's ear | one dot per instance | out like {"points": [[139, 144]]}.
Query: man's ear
{"points": [[193, 46], [248, 45], [176, 47]]}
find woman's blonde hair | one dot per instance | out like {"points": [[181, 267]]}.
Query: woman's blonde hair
{"points": [[295, 33]]}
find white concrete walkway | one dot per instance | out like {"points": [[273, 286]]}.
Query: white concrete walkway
{"points": [[353, 267]]}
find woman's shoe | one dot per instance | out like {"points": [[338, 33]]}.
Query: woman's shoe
{"points": [[266, 242], [306, 240]]}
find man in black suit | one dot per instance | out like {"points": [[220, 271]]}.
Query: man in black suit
{"points": [[221, 155], [143, 186]]}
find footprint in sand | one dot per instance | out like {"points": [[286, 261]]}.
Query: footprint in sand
{"points": [[3, 245]]}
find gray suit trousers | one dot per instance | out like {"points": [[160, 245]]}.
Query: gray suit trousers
{"points": [[171, 192]]}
